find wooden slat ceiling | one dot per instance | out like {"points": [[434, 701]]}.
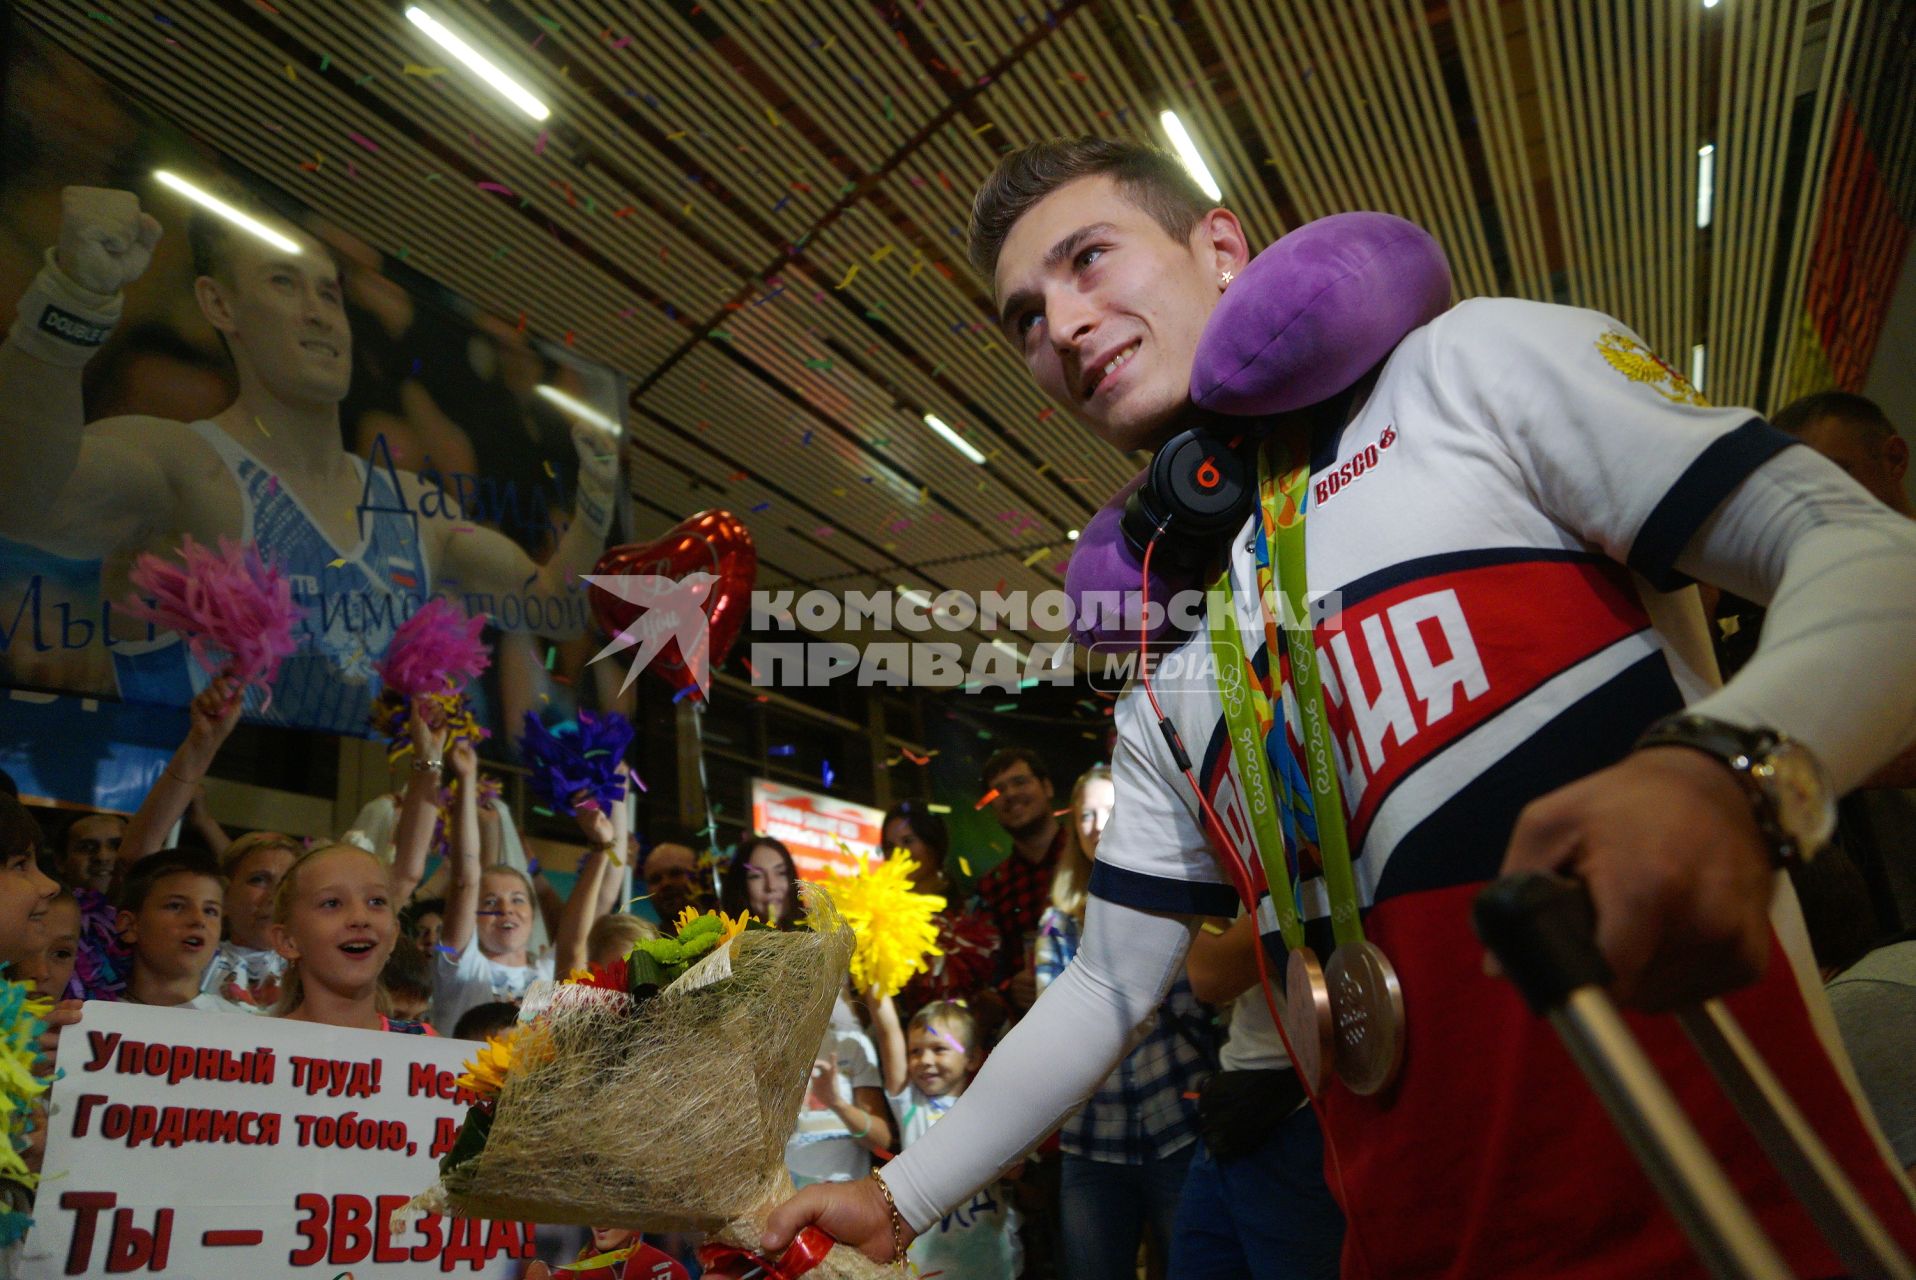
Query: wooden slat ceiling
{"points": [[754, 208]]}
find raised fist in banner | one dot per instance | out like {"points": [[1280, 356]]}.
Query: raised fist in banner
{"points": [[106, 240]]}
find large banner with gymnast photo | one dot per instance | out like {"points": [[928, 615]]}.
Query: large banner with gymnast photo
{"points": [[378, 440]]}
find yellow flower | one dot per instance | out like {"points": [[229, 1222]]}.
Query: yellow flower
{"points": [[728, 927], [486, 1073], [894, 926]]}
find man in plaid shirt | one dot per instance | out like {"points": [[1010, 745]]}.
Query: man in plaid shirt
{"points": [[1016, 892]]}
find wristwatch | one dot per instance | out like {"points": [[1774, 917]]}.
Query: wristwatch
{"points": [[1790, 794]]}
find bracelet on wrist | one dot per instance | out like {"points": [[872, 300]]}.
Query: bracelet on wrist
{"points": [[422, 765], [897, 1219]]}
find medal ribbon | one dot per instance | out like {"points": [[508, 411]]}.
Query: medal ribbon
{"points": [[1247, 720], [1280, 818]]}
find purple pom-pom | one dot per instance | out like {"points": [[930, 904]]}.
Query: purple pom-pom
{"points": [[101, 958], [437, 650], [581, 755]]}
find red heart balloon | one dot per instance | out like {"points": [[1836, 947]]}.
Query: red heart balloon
{"points": [[705, 562]]}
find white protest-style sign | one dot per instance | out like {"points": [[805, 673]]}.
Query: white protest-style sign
{"points": [[213, 1145]]}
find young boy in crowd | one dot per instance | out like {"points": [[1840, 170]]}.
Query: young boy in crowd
{"points": [[170, 909], [927, 1067]]}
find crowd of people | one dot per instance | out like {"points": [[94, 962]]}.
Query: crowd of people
{"points": [[1145, 1113]]}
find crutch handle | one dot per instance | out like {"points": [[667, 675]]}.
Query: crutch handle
{"points": [[1543, 930]]}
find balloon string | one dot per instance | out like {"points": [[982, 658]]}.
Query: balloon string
{"points": [[705, 796]]}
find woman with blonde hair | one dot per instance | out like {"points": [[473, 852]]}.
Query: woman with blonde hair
{"points": [[1126, 1151], [246, 969]]}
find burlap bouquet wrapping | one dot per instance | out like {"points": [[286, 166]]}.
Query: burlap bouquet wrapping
{"points": [[669, 1114]]}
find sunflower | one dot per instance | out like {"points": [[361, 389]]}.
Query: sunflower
{"points": [[692, 924], [486, 1074]]}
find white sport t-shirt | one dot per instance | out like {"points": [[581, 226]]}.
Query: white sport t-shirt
{"points": [[473, 979], [1485, 537]]}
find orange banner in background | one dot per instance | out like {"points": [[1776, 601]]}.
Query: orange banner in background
{"points": [[812, 826]]}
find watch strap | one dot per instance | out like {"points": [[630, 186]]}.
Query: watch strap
{"points": [[1740, 750]]}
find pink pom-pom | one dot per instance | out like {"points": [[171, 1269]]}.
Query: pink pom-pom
{"points": [[437, 650], [229, 602]]}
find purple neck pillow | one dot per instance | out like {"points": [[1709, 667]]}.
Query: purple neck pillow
{"points": [[1306, 319]]}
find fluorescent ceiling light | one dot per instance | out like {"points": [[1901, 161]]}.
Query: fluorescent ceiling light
{"points": [[577, 408], [953, 439], [1188, 152], [225, 210], [1705, 183], [477, 63], [1696, 366]]}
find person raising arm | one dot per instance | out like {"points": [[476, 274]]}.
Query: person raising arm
{"points": [[113, 484], [215, 710], [601, 862]]}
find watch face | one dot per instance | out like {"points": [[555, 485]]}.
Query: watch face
{"points": [[1805, 806]]}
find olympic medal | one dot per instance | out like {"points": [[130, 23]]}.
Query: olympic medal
{"points": [[1308, 1022], [1367, 1004]]}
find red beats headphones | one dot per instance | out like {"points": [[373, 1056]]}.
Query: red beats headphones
{"points": [[1197, 491]]}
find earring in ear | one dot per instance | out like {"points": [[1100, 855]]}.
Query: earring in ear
{"points": [[1224, 278]]}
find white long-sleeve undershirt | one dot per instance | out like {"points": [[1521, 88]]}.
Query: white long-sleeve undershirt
{"points": [[1836, 669]]}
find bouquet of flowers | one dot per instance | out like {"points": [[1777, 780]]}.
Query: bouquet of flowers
{"points": [[657, 1093]]}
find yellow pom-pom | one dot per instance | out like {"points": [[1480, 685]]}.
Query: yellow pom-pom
{"points": [[894, 926]]}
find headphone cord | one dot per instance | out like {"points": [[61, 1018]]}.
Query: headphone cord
{"points": [[1238, 869]]}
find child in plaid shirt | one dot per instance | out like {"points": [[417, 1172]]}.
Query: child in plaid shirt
{"points": [[1126, 1150]]}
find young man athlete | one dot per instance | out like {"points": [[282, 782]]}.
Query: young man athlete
{"points": [[1487, 678], [268, 468]]}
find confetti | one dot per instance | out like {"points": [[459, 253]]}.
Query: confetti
{"points": [[762, 506], [848, 277], [364, 141], [828, 775], [964, 866], [339, 563], [262, 427], [984, 800], [782, 749], [940, 808], [1036, 556]]}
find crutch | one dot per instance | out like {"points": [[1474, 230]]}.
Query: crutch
{"points": [[1542, 929]]}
